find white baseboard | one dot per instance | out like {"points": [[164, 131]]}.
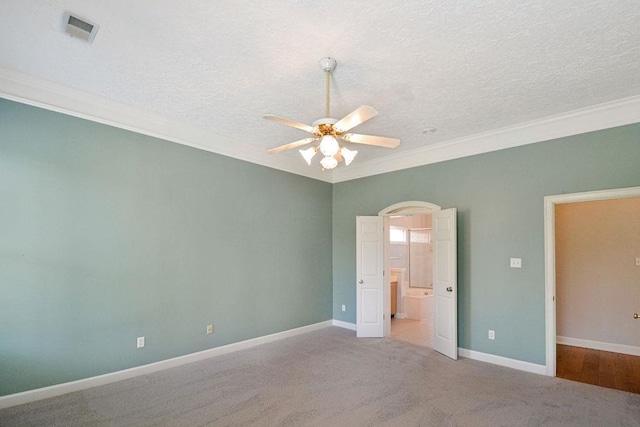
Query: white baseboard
{"points": [[345, 325], [503, 361], [60, 389], [598, 345], [400, 316]]}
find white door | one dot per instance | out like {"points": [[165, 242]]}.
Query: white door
{"points": [[369, 276], [445, 283]]}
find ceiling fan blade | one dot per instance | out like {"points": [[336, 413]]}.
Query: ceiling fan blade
{"points": [[291, 123], [291, 145], [353, 119], [379, 141]]}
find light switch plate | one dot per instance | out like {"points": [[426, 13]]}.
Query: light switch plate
{"points": [[516, 262]]}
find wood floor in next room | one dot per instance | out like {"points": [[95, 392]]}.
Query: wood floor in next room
{"points": [[602, 368]]}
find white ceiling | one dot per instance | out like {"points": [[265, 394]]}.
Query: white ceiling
{"points": [[204, 73]]}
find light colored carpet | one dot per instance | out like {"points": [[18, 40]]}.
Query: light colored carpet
{"points": [[330, 378]]}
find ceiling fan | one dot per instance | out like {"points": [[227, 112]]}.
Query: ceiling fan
{"points": [[328, 131]]}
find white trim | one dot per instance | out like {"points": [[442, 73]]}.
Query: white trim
{"points": [[550, 285], [31, 90], [598, 345], [502, 361], [550, 203], [345, 325], [410, 208], [60, 389]]}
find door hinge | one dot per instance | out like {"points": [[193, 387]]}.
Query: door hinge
{"points": [[383, 317]]}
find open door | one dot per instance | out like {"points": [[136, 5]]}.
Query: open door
{"points": [[445, 283], [369, 276]]}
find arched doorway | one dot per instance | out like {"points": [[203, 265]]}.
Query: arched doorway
{"points": [[373, 286]]}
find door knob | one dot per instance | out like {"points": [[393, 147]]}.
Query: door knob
{"points": [[449, 289], [361, 281], [635, 315]]}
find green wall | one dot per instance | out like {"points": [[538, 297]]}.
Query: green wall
{"points": [[106, 235], [499, 197]]}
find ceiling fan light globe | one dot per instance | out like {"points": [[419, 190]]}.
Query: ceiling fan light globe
{"points": [[348, 155], [308, 154], [329, 145], [328, 162]]}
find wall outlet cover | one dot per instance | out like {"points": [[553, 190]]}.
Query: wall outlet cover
{"points": [[209, 329], [140, 342], [516, 263]]}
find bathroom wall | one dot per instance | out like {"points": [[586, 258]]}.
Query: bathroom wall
{"points": [[597, 281]]}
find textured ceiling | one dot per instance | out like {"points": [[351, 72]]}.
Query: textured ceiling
{"points": [[463, 67]]}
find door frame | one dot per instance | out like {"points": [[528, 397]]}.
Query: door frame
{"points": [[409, 208], [550, 203]]}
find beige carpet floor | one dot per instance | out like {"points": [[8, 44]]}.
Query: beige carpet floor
{"points": [[330, 378]]}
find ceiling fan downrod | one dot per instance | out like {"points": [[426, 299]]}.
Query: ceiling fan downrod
{"points": [[328, 64]]}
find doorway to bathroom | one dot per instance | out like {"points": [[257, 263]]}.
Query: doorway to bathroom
{"points": [[373, 287], [410, 260]]}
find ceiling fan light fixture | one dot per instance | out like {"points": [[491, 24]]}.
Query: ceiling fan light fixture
{"points": [[329, 145], [308, 154], [329, 130], [328, 162], [348, 155]]}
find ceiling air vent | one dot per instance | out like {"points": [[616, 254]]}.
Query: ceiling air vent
{"points": [[79, 27]]}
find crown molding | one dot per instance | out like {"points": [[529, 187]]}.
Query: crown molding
{"points": [[602, 116], [26, 89], [20, 87]]}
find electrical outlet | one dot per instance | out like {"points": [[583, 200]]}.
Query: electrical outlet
{"points": [[637, 262], [516, 263], [140, 342], [209, 329], [492, 334], [344, 307]]}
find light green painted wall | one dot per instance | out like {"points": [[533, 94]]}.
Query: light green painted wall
{"points": [[106, 235], [499, 197]]}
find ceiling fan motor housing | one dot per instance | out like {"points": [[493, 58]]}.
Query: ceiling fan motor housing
{"points": [[325, 126]]}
